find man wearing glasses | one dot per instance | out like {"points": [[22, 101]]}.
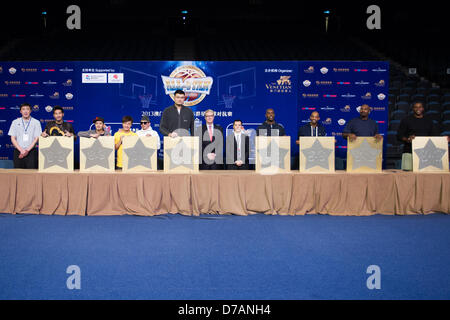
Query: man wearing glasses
{"points": [[147, 130], [211, 144]]}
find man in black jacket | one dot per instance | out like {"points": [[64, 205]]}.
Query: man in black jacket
{"points": [[270, 127], [177, 117], [211, 141], [411, 126]]}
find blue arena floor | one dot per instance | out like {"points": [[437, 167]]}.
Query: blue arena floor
{"points": [[225, 257]]}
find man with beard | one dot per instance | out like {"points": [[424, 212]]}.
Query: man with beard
{"points": [[313, 128], [411, 126], [58, 127], [362, 126]]}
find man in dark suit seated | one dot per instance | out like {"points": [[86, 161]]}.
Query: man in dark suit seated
{"points": [[237, 148], [211, 144]]}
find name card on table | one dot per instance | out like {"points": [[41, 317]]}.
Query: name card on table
{"points": [[97, 154], [364, 154], [316, 154], [139, 154], [430, 154], [272, 154], [181, 154], [56, 154]]}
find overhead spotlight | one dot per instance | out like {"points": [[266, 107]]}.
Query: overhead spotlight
{"points": [[44, 16], [326, 12]]}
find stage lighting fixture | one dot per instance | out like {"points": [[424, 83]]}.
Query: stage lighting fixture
{"points": [[326, 12], [44, 16]]}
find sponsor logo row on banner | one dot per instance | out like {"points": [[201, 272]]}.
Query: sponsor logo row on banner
{"points": [[306, 83], [325, 70], [13, 70]]}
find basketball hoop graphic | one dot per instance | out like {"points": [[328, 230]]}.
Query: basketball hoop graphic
{"points": [[145, 100], [228, 100]]}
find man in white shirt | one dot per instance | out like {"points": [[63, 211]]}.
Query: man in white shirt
{"points": [[147, 130], [211, 142], [24, 133], [237, 148]]}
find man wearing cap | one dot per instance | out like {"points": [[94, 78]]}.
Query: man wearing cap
{"points": [[147, 130], [100, 129]]}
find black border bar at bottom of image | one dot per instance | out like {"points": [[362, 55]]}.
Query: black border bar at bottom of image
{"points": [[225, 309]]}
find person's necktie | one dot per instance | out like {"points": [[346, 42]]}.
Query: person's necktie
{"points": [[238, 138], [210, 133]]}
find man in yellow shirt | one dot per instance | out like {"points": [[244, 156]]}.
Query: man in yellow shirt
{"points": [[127, 122]]}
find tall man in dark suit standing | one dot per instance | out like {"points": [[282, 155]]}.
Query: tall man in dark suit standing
{"points": [[177, 120], [237, 148], [211, 144]]}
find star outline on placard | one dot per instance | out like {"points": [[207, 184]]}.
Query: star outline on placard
{"points": [[430, 155], [97, 154], [317, 155], [266, 156], [139, 155], [364, 156], [183, 146], [56, 155]]}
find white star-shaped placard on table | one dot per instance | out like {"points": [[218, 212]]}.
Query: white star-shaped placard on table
{"points": [[181, 154], [272, 155], [97, 155], [55, 154], [364, 155], [317, 155], [139, 155], [430, 155]]}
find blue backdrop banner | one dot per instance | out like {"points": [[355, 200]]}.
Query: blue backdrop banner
{"points": [[233, 89]]}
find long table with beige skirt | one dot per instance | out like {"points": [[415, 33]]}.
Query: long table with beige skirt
{"points": [[223, 192]]}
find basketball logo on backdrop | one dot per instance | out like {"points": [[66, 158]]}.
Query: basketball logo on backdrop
{"points": [[192, 80]]}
